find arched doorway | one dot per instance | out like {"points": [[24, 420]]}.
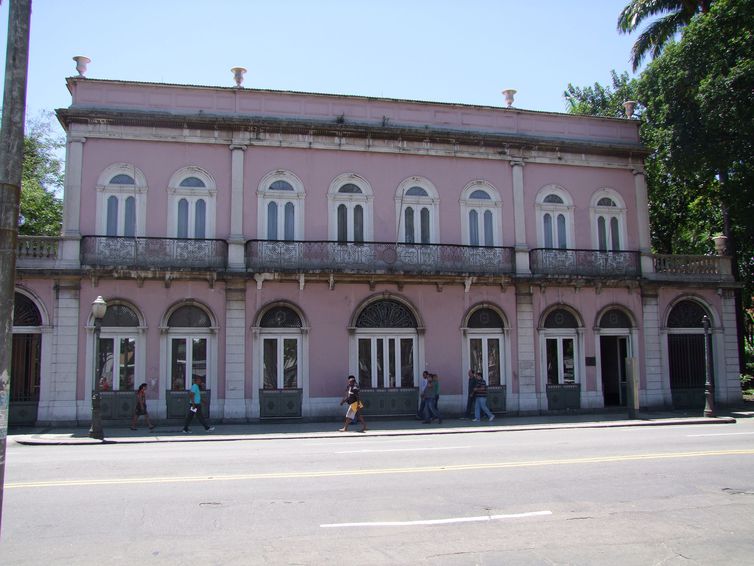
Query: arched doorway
{"points": [[386, 336], [615, 348], [191, 355], [487, 350], [561, 344], [686, 354], [280, 339], [25, 362]]}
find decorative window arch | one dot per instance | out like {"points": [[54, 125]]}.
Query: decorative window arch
{"points": [[385, 344], [280, 337], [417, 211], [561, 337], [481, 223], [121, 201], [350, 209], [190, 345], [608, 213], [191, 204], [554, 218], [280, 211]]}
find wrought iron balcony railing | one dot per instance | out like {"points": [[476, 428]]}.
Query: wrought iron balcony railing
{"points": [[153, 253], [376, 257], [587, 263], [692, 267]]}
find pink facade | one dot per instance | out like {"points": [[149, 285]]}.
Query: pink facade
{"points": [[271, 243]]}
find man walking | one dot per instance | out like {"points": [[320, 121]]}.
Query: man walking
{"points": [[195, 408], [480, 396]]}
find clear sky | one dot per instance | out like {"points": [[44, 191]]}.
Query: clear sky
{"points": [[440, 50]]}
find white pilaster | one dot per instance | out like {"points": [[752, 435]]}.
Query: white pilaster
{"points": [[725, 340], [62, 404], [519, 217], [528, 399], [69, 256], [656, 392], [235, 353], [236, 258], [642, 220]]}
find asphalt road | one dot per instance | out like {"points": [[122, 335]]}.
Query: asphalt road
{"points": [[651, 495]]}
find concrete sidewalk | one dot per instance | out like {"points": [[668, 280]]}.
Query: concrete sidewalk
{"points": [[278, 430]]}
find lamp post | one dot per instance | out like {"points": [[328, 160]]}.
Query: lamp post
{"points": [[709, 390], [99, 308]]}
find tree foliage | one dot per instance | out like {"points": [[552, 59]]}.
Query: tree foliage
{"points": [[676, 14], [598, 100], [41, 210]]}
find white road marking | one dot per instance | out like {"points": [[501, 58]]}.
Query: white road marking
{"points": [[439, 521], [720, 434], [400, 449]]}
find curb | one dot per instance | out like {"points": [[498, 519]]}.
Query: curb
{"points": [[39, 440]]}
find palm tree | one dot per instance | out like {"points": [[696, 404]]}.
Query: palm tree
{"points": [[662, 30]]}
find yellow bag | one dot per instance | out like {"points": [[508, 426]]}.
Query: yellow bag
{"points": [[354, 406]]}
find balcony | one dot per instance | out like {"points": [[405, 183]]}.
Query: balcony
{"points": [[37, 251], [692, 267], [376, 257], [585, 263], [154, 253]]}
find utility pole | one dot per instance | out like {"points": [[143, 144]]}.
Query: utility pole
{"points": [[11, 167]]}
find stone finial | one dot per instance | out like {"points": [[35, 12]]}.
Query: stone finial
{"points": [[238, 73], [509, 93], [81, 62], [721, 244], [630, 106]]}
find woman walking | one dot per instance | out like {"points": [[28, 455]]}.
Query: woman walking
{"points": [[141, 407], [354, 405]]}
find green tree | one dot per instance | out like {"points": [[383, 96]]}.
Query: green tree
{"points": [[699, 120], [598, 100], [41, 210], [677, 15]]}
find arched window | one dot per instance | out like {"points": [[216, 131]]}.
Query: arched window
{"points": [[191, 206], [416, 205], [480, 215], [120, 364], [121, 201], [554, 218], [386, 345], [190, 348], [608, 219], [280, 329], [281, 207], [350, 209]]}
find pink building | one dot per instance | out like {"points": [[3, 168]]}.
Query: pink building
{"points": [[272, 243]]}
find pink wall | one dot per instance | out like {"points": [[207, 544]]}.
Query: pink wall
{"points": [[228, 101]]}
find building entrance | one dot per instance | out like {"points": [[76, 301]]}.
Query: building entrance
{"points": [[613, 354]]}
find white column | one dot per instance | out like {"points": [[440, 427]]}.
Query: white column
{"points": [[62, 405], [519, 217], [657, 389], [236, 258], [74, 160], [235, 352], [642, 220], [528, 399]]}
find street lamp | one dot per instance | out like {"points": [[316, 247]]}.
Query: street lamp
{"points": [[99, 308], [709, 390]]}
